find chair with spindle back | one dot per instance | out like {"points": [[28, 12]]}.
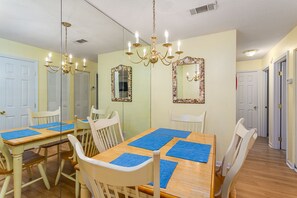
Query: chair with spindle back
{"points": [[30, 159], [108, 180], [188, 122], [83, 132], [96, 114], [245, 142], [45, 117], [107, 133]]}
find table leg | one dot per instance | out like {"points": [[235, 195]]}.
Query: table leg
{"points": [[17, 174]]}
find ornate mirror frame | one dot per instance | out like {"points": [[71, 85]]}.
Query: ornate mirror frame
{"points": [[188, 61], [113, 70]]}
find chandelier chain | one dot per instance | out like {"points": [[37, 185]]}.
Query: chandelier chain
{"points": [[66, 51], [154, 18]]}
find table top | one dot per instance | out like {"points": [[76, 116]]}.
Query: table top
{"points": [[44, 134], [190, 179]]}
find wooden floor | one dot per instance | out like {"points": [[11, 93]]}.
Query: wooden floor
{"points": [[264, 175]]}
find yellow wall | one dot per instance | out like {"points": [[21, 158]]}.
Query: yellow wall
{"points": [[135, 115], [20, 50], [287, 44], [251, 65], [219, 52]]}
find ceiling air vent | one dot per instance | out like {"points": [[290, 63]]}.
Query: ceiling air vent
{"points": [[204, 8], [81, 41]]}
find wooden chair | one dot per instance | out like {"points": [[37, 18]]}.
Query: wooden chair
{"points": [[96, 114], [108, 180], [227, 188], [88, 145], [239, 132], [44, 117], [30, 159], [189, 122], [107, 133]]}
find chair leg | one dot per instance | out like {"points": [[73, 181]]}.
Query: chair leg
{"points": [[29, 171], [44, 177], [76, 185], [4, 186], [59, 171], [45, 160]]}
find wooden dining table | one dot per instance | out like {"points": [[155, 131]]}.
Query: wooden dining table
{"points": [[189, 179], [19, 145]]}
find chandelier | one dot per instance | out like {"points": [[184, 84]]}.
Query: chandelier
{"points": [[196, 76], [153, 55], [66, 65]]}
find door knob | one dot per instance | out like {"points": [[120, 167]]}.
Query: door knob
{"points": [[255, 107], [2, 112]]}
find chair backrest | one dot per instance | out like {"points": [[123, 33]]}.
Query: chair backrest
{"points": [[239, 133], [5, 157], [231, 177], [189, 122], [108, 180], [82, 131], [107, 133], [44, 117], [96, 114]]}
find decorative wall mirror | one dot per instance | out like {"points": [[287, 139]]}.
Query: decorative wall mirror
{"points": [[121, 83], [188, 81]]}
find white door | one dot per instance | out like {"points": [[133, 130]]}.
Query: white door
{"points": [[81, 94], [247, 98], [18, 85], [58, 93]]}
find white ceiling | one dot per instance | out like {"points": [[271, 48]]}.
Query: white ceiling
{"points": [[260, 23]]}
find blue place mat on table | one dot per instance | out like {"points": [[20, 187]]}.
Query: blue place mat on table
{"points": [[190, 151], [18, 134], [151, 142], [129, 160], [65, 127], [43, 126], [172, 132]]}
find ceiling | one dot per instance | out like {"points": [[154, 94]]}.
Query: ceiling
{"points": [[260, 24]]}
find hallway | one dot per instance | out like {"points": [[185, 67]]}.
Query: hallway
{"points": [[265, 174]]}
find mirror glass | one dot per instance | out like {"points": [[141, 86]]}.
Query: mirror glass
{"points": [[121, 83], [188, 81]]}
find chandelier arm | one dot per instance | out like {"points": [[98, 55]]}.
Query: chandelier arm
{"points": [[135, 62], [141, 57], [165, 63], [52, 70], [163, 57], [146, 64]]}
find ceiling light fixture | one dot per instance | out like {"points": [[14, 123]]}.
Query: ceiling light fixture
{"points": [[66, 65], [250, 52], [153, 55]]}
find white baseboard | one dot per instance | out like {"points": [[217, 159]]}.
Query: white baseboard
{"points": [[290, 165]]}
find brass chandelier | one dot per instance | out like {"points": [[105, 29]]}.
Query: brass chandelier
{"points": [[66, 65], [153, 55], [196, 76]]}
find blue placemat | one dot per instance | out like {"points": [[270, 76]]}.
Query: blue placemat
{"points": [[190, 151], [18, 134], [62, 128], [43, 126], [129, 160], [151, 142], [172, 132]]}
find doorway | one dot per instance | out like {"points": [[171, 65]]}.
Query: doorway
{"points": [[266, 102], [82, 94], [18, 85], [280, 104], [247, 98]]}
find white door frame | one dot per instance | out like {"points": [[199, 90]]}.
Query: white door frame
{"points": [[35, 62], [295, 63], [263, 102], [275, 142]]}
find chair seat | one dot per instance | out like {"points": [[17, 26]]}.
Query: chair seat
{"points": [[53, 143], [31, 158]]}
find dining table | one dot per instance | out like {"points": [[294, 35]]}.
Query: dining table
{"points": [[189, 178], [19, 145]]}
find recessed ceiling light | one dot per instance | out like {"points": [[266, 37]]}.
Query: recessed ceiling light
{"points": [[250, 52]]}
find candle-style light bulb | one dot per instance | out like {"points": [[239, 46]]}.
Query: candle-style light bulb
{"points": [[178, 45], [46, 61], [70, 58], [144, 52], [84, 62], [63, 63], [166, 34], [170, 51], [197, 68], [50, 56], [76, 65], [137, 37], [129, 46], [188, 74]]}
